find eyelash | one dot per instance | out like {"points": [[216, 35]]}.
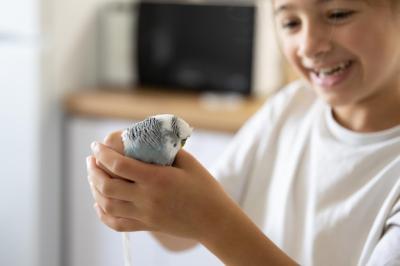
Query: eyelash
{"points": [[290, 25], [335, 16], [340, 15]]}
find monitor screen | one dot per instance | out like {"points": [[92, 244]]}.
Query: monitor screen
{"points": [[196, 47]]}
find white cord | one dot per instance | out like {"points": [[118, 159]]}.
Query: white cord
{"points": [[127, 249]]}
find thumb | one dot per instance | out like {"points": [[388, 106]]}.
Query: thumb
{"points": [[185, 160], [114, 141]]}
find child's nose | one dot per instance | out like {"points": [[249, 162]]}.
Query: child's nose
{"points": [[315, 41]]}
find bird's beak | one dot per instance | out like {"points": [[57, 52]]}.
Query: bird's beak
{"points": [[183, 142]]}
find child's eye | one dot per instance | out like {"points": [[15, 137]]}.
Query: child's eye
{"points": [[339, 15], [290, 24]]}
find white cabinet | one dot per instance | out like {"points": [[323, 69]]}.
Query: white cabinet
{"points": [[88, 241]]}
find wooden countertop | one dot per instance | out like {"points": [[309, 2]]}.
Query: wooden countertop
{"points": [[218, 113]]}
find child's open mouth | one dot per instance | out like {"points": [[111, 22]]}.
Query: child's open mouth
{"points": [[331, 76]]}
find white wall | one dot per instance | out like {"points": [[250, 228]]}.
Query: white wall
{"points": [[268, 65], [74, 36]]}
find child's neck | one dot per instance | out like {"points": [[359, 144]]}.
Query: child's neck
{"points": [[376, 114]]}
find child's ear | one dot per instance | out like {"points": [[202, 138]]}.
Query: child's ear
{"points": [[114, 141]]}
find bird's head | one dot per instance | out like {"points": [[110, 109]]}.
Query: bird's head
{"points": [[179, 127]]}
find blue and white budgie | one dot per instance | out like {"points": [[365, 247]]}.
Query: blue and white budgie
{"points": [[156, 140]]}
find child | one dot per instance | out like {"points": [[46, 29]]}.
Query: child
{"points": [[316, 170]]}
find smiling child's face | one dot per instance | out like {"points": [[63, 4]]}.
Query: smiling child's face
{"points": [[349, 50]]}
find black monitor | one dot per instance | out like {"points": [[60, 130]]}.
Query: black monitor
{"points": [[196, 46]]}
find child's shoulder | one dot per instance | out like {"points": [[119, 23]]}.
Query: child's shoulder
{"points": [[298, 90], [289, 105], [296, 97]]}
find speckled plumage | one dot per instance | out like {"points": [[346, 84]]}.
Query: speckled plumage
{"points": [[156, 139]]}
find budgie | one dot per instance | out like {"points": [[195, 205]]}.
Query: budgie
{"points": [[156, 140]]}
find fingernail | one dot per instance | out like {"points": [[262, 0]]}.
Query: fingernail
{"points": [[93, 145], [96, 207]]}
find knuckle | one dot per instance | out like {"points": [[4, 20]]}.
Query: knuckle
{"points": [[117, 166], [109, 206], [119, 227], [107, 188], [112, 222]]}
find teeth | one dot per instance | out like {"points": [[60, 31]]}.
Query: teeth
{"points": [[323, 72]]}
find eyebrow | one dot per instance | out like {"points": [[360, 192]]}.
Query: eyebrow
{"points": [[286, 7]]}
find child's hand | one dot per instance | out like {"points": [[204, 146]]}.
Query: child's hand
{"points": [[183, 200], [114, 141]]}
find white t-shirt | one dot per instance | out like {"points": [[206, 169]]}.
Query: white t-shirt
{"points": [[324, 194]]}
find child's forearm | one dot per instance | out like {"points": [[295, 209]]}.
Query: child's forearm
{"points": [[174, 243], [237, 241]]}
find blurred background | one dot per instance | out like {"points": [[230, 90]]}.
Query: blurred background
{"points": [[73, 71]]}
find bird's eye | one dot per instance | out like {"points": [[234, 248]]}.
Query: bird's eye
{"points": [[183, 142]]}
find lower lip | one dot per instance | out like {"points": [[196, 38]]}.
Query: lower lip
{"points": [[329, 82]]}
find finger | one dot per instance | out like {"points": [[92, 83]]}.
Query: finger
{"points": [[91, 158], [108, 172], [115, 208], [124, 167], [99, 165], [115, 188], [114, 141], [184, 159], [120, 224]]}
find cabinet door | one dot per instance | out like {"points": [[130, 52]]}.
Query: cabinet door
{"points": [[89, 242]]}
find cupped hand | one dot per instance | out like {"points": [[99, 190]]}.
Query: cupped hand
{"points": [[183, 199]]}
